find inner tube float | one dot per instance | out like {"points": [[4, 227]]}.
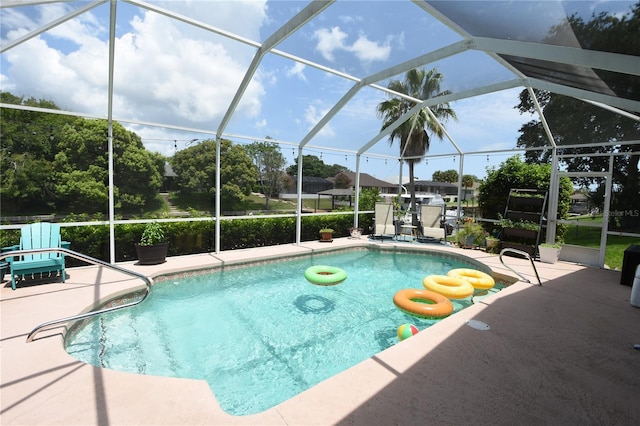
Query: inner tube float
{"points": [[325, 275], [422, 303], [478, 279], [451, 287]]}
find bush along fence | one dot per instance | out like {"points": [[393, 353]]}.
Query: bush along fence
{"points": [[199, 236]]}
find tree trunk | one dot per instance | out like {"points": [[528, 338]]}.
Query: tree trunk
{"points": [[412, 188]]}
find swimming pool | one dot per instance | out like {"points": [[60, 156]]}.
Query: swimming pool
{"points": [[262, 334]]}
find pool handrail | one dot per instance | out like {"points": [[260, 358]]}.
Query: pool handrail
{"points": [[147, 280], [520, 253]]}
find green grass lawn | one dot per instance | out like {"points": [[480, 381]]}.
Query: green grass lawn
{"points": [[206, 203], [590, 237]]}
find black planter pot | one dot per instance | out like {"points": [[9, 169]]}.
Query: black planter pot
{"points": [[527, 203], [519, 233], [152, 255]]}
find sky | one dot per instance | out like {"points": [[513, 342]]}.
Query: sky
{"points": [[184, 77]]}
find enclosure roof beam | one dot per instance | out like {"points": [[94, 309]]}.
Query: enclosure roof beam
{"points": [[444, 99], [193, 22], [436, 55], [586, 95], [295, 23], [387, 131], [543, 119], [484, 90], [614, 109], [14, 3], [444, 52], [617, 62], [49, 25]]}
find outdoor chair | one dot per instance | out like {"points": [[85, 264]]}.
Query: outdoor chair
{"points": [[35, 236], [431, 222], [384, 222]]}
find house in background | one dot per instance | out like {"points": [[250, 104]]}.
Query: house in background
{"points": [[442, 188], [343, 191], [341, 188], [311, 184], [366, 182], [579, 203], [169, 178]]}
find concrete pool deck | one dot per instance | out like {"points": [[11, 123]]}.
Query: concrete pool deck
{"points": [[557, 354]]}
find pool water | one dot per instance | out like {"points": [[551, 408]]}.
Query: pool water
{"points": [[262, 334]]}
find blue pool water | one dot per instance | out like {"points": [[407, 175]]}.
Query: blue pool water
{"points": [[262, 334]]}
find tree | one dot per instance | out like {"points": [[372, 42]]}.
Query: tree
{"points": [[82, 171], [269, 163], [450, 176], [196, 170], [27, 148], [413, 134], [468, 181], [514, 173], [368, 198], [55, 161], [573, 121], [342, 181], [314, 166]]}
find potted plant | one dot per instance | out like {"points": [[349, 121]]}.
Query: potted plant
{"points": [[326, 235], [355, 232], [472, 234], [153, 246], [549, 253], [492, 243]]}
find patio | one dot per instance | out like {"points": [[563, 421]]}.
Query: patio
{"points": [[557, 354]]}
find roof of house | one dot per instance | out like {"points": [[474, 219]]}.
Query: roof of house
{"points": [[366, 180], [337, 191], [435, 183], [168, 170]]}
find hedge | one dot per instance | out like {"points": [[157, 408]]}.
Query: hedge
{"points": [[199, 236]]}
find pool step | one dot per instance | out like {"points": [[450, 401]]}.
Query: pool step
{"points": [[140, 347]]}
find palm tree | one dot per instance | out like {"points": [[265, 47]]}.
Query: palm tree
{"points": [[413, 134]]}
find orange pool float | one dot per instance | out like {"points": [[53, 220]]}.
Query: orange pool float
{"points": [[422, 303]]}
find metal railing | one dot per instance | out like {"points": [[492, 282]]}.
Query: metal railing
{"points": [[520, 253], [148, 283]]}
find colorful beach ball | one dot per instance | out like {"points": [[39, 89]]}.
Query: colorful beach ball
{"points": [[406, 330]]}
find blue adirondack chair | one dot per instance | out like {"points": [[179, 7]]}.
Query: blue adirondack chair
{"points": [[33, 236]]}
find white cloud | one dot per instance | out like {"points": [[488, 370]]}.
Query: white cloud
{"points": [[334, 39], [312, 116], [368, 51], [297, 70], [261, 124], [329, 40], [164, 71]]}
